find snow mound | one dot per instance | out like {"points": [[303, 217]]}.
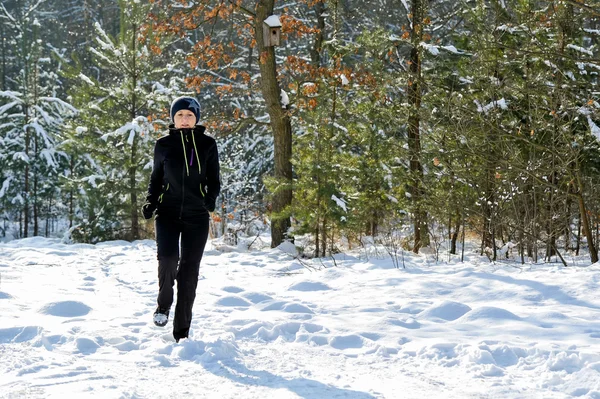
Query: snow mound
{"points": [[490, 312], [288, 248], [446, 310], [66, 309]]}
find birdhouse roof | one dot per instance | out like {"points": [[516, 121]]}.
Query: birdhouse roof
{"points": [[273, 21]]}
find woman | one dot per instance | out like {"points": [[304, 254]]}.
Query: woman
{"points": [[183, 188]]}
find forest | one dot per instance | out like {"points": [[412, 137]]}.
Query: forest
{"points": [[409, 123]]}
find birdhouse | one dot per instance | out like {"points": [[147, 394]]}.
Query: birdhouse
{"points": [[272, 31]]}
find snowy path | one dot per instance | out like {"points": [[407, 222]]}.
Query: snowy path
{"points": [[76, 322]]}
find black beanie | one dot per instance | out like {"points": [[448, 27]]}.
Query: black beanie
{"points": [[189, 103]]}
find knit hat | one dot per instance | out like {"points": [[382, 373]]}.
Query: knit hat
{"points": [[189, 103]]}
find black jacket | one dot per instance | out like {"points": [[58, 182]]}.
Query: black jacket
{"points": [[185, 179]]}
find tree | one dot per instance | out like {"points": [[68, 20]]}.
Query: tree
{"points": [[32, 118], [119, 116], [227, 50], [414, 93]]}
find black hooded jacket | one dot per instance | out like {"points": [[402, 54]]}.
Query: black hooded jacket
{"points": [[185, 180]]}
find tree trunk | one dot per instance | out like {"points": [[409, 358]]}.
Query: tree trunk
{"points": [[72, 193], [280, 124], [26, 188], [585, 224], [462, 249], [317, 238], [567, 225], [414, 91], [488, 237], [578, 244], [134, 212], [550, 229], [522, 247], [455, 234], [135, 225], [315, 51], [324, 238], [3, 76], [36, 148]]}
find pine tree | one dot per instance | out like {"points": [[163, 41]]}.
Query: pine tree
{"points": [[119, 116], [32, 117]]}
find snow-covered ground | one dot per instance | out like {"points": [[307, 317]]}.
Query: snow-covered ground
{"points": [[76, 321]]}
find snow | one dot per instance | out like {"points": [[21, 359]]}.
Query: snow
{"points": [[340, 127], [594, 128], [273, 21], [5, 186], [7, 106], [77, 322], [86, 79], [406, 7], [434, 50], [285, 99], [339, 202], [580, 49], [21, 156], [451, 49], [392, 199], [502, 104], [91, 179]]}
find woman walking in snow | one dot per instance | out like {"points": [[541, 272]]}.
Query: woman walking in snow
{"points": [[183, 189]]}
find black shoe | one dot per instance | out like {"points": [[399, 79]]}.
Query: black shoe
{"points": [[161, 317], [180, 334]]}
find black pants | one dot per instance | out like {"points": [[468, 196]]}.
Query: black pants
{"points": [[184, 267]]}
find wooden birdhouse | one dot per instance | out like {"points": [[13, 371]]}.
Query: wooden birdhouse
{"points": [[272, 31]]}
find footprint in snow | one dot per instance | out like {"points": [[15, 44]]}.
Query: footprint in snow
{"points": [[233, 289], [342, 342], [86, 346], [256, 297], [19, 334], [233, 301], [408, 322], [288, 307], [309, 286]]}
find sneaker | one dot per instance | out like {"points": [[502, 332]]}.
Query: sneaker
{"points": [[161, 317]]}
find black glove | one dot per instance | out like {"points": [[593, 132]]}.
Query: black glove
{"points": [[209, 205], [148, 210]]}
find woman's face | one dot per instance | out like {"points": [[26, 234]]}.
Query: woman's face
{"points": [[184, 119]]}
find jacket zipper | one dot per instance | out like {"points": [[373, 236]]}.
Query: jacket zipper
{"points": [[182, 191]]}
